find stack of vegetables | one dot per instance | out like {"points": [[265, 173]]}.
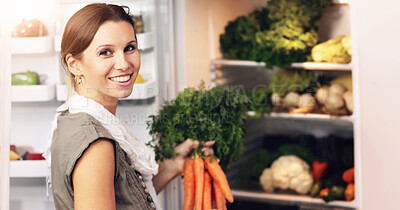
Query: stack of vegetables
{"points": [[302, 165], [217, 114], [297, 91], [281, 33], [203, 186]]}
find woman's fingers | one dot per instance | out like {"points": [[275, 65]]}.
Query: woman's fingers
{"points": [[208, 143]]}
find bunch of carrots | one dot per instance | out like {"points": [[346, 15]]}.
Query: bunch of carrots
{"points": [[205, 182]]}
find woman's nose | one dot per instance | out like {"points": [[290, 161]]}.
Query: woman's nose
{"points": [[121, 63]]}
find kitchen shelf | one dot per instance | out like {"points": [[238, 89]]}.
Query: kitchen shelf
{"points": [[318, 117], [32, 93], [145, 41], [146, 90], [290, 199], [28, 168], [306, 65], [31, 45]]}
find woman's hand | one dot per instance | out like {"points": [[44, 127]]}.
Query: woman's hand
{"points": [[170, 168], [186, 147]]}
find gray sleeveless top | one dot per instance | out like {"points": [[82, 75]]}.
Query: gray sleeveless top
{"points": [[74, 134]]}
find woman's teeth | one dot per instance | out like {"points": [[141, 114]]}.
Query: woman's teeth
{"points": [[120, 79]]}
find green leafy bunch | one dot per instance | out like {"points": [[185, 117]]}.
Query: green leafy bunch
{"points": [[260, 101], [238, 41], [217, 114], [287, 33], [284, 81]]}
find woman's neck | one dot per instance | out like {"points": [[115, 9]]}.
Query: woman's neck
{"points": [[109, 103]]}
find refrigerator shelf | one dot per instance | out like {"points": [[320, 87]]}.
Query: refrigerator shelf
{"points": [[145, 41], [146, 90], [28, 168], [305, 66], [32, 93], [315, 117], [290, 199], [31, 45]]}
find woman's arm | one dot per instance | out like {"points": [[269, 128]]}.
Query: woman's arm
{"points": [[170, 168], [93, 178]]}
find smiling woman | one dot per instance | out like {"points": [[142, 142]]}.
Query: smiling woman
{"points": [[96, 161]]}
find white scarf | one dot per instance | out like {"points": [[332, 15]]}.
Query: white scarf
{"points": [[142, 157]]}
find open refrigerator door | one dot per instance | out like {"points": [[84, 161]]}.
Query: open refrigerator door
{"points": [[31, 39]]}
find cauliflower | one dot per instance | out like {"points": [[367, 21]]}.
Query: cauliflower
{"points": [[287, 172], [266, 180]]}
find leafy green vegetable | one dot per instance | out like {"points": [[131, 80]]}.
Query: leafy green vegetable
{"points": [[261, 103], [253, 166], [284, 81], [297, 150], [239, 40], [216, 115], [282, 33]]}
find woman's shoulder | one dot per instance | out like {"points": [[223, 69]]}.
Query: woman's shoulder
{"points": [[75, 132]]}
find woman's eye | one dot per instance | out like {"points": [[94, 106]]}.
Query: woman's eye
{"points": [[105, 52], [130, 48]]}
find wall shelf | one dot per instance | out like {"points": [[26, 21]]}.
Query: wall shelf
{"points": [[31, 45], [290, 199], [28, 168], [32, 93]]}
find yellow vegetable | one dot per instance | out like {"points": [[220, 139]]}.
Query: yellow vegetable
{"points": [[14, 156], [345, 80], [139, 79]]}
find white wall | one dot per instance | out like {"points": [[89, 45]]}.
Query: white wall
{"points": [[378, 36]]}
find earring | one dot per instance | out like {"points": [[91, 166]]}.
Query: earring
{"points": [[78, 80]]}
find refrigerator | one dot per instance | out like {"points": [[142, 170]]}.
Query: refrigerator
{"points": [[179, 48]]}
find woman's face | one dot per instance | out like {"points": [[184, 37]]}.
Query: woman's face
{"points": [[110, 64]]}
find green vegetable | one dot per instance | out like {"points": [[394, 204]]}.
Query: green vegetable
{"points": [[238, 41], [253, 166], [25, 78], [315, 189], [260, 101], [284, 81], [216, 115], [297, 150], [282, 33], [337, 192]]}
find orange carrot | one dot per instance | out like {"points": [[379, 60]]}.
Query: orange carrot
{"points": [[220, 202], [207, 203], [199, 179], [219, 177], [188, 185], [348, 175]]}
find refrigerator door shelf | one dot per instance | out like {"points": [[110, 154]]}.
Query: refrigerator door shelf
{"points": [[28, 168], [31, 45], [32, 93], [146, 90], [145, 41]]}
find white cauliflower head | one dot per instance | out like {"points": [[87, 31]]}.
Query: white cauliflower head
{"points": [[266, 180], [291, 172]]}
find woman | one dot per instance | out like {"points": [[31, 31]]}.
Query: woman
{"points": [[96, 160]]}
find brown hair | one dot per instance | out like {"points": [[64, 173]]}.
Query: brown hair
{"points": [[82, 27]]}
